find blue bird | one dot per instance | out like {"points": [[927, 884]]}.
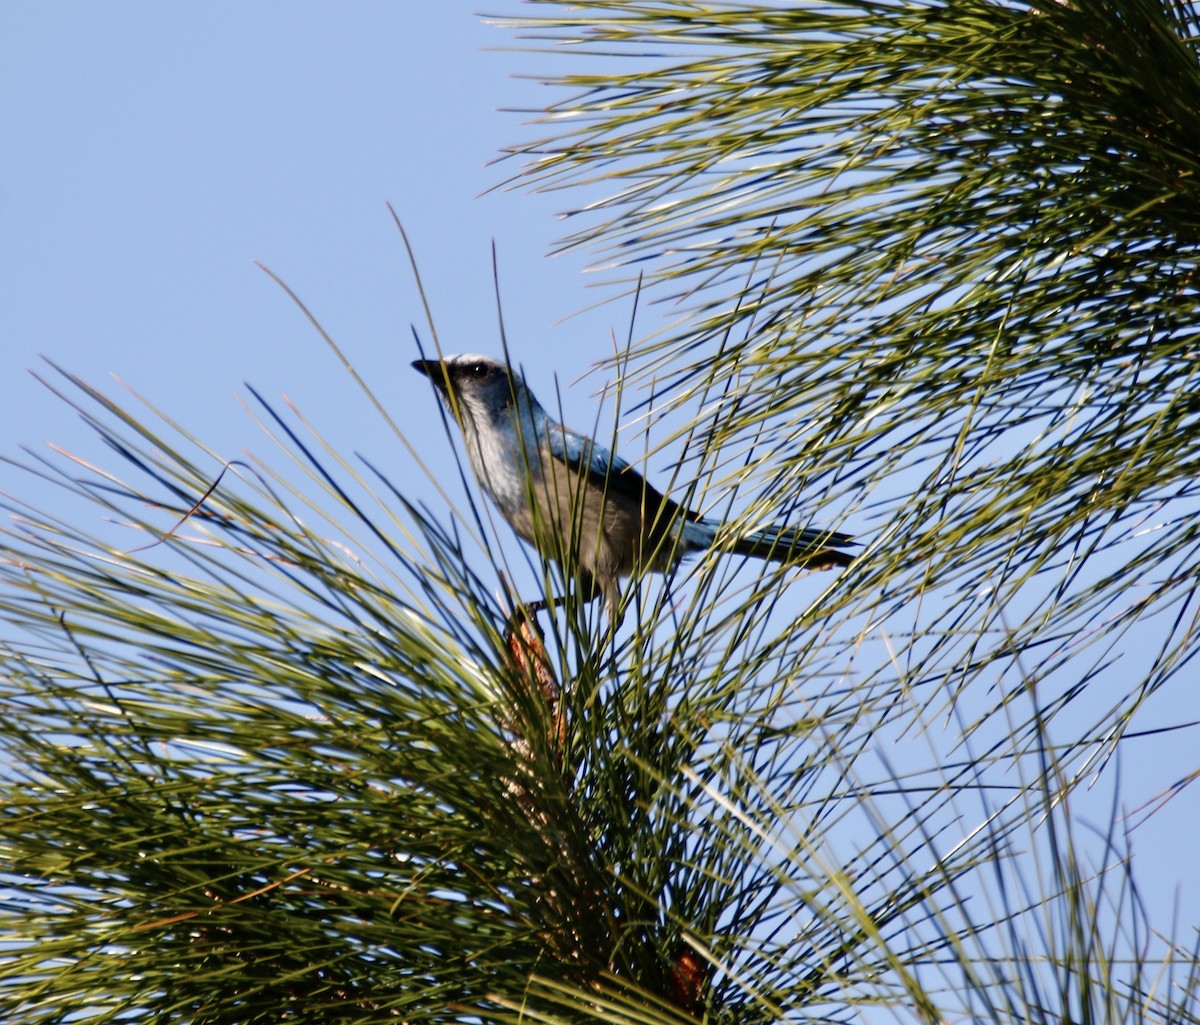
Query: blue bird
{"points": [[580, 504]]}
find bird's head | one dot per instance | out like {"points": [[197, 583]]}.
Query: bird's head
{"points": [[481, 391]]}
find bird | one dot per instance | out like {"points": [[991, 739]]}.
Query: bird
{"points": [[581, 504]]}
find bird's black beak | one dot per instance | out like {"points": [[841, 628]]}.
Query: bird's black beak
{"points": [[434, 369]]}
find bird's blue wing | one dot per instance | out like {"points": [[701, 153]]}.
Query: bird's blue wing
{"points": [[577, 449], [604, 469], [617, 479]]}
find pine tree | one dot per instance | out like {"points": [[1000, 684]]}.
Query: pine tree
{"points": [[287, 756]]}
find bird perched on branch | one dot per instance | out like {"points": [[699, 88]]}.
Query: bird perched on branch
{"points": [[581, 504]]}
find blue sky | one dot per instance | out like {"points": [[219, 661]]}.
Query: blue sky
{"points": [[153, 152]]}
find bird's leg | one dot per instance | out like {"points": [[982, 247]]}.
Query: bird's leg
{"points": [[526, 610], [588, 591]]}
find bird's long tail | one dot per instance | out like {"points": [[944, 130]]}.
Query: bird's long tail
{"points": [[816, 549]]}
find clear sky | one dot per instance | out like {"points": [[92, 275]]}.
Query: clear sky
{"points": [[153, 151]]}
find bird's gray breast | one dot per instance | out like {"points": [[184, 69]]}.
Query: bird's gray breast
{"points": [[505, 472]]}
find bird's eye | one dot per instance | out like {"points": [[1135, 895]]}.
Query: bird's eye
{"points": [[480, 370]]}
